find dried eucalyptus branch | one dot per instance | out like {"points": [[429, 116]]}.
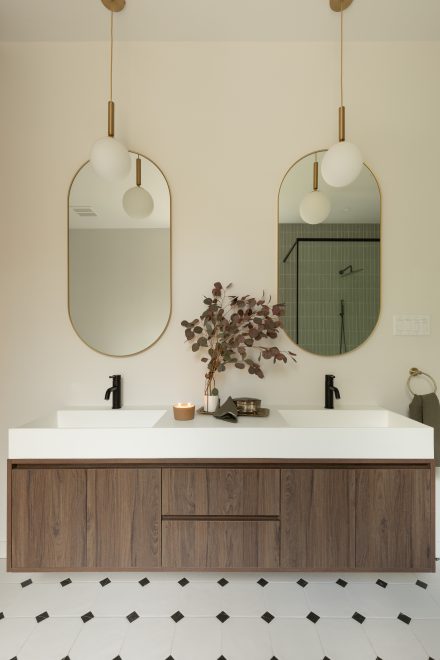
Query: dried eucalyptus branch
{"points": [[230, 329]]}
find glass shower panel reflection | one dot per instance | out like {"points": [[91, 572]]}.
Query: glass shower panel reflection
{"points": [[336, 289]]}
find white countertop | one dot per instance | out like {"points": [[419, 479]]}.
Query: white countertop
{"points": [[304, 433]]}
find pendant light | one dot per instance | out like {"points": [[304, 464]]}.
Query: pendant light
{"points": [[342, 163], [315, 206], [137, 202], [109, 158]]}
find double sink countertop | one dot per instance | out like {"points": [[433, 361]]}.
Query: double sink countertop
{"points": [[357, 433]]}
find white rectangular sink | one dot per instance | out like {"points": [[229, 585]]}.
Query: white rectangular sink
{"points": [[345, 418], [108, 419]]}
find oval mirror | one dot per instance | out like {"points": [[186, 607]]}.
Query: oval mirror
{"points": [[119, 264], [328, 258]]}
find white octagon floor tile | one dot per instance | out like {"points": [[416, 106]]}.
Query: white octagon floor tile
{"points": [[243, 638], [197, 639], [393, 640], [149, 638], [51, 639], [295, 639], [344, 639]]}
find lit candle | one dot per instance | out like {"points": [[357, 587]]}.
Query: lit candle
{"points": [[183, 412]]}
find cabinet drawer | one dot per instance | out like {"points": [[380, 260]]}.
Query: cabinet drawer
{"points": [[220, 491], [220, 544]]}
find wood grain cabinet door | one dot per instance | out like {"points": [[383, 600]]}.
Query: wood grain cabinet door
{"points": [[123, 518], [317, 518], [220, 544], [48, 518], [393, 519], [221, 491]]}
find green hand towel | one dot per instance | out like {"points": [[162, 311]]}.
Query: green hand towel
{"points": [[227, 412], [425, 408]]}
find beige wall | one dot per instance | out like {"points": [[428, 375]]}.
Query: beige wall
{"points": [[224, 122]]}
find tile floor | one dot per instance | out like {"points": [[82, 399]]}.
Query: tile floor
{"points": [[167, 616]]}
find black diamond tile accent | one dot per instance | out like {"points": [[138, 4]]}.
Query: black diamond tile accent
{"points": [[144, 582], [326, 658], [65, 582], [314, 618], [66, 658], [183, 582], [222, 582], [42, 616], [342, 583], [14, 658], [268, 617], [404, 617], [274, 658], [222, 617], [170, 657], [2, 616], [262, 582], [358, 617], [302, 583], [421, 584], [104, 582], [26, 583], [177, 616], [382, 583], [87, 616], [118, 657], [222, 657], [132, 617]]}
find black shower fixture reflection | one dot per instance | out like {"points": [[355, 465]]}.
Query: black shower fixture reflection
{"points": [[348, 270]]}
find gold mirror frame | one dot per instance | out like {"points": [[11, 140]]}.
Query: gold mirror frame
{"points": [[136, 153]]}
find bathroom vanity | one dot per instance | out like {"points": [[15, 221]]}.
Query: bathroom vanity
{"points": [[309, 490]]}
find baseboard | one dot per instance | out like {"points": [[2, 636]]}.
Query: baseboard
{"points": [[2, 549]]}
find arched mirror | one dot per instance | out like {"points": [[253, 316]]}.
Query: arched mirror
{"points": [[119, 259], [328, 258]]}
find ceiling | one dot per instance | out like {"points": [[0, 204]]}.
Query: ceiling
{"points": [[225, 20]]}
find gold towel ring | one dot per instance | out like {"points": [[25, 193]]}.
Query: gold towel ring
{"points": [[413, 372]]}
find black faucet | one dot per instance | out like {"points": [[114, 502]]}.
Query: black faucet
{"points": [[115, 390], [330, 391]]}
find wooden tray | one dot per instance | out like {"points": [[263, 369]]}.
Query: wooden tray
{"points": [[261, 412]]}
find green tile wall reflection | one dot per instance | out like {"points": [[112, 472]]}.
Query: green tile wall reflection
{"points": [[316, 319]]}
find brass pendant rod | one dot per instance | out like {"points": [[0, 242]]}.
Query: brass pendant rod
{"points": [[315, 175], [111, 118], [342, 107], [138, 171], [111, 56]]}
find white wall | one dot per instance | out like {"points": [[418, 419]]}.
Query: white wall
{"points": [[224, 122]]}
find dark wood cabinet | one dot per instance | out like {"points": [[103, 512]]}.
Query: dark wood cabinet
{"points": [[47, 518], [394, 519], [123, 518], [317, 519], [212, 515], [220, 544], [221, 491]]}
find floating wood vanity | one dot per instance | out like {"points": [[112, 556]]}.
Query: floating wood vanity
{"points": [[301, 490], [290, 515]]}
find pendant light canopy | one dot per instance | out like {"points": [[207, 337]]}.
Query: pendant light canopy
{"points": [[343, 162], [137, 202], [315, 206], [109, 158]]}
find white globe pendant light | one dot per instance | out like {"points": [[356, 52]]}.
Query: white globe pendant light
{"points": [[137, 202], [315, 207], [343, 162], [110, 158]]}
